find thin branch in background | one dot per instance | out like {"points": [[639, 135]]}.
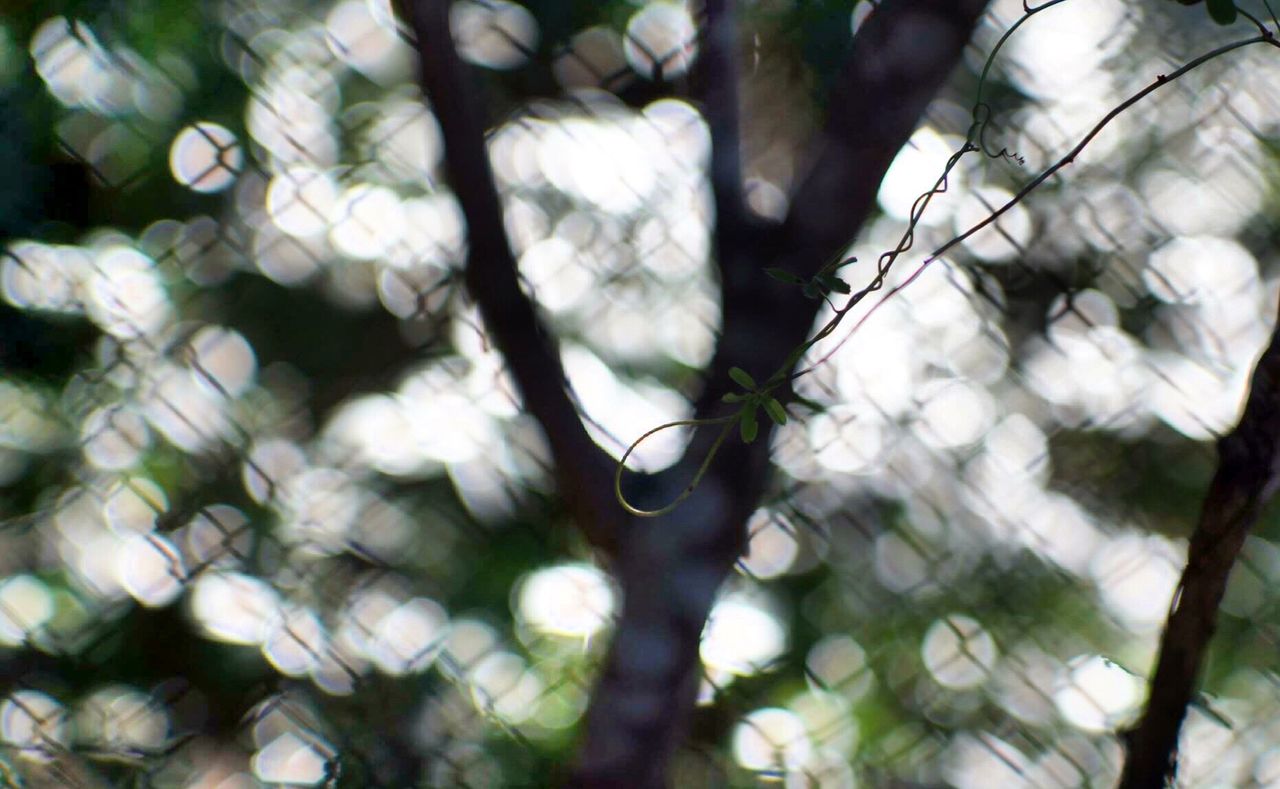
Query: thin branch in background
{"points": [[584, 470], [1271, 12], [1245, 480]]}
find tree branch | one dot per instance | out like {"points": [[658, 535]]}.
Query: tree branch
{"points": [[718, 73], [901, 56], [670, 567], [584, 471], [1246, 479]]}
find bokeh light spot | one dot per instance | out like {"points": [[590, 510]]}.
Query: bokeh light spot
{"points": [[572, 600], [205, 157], [661, 40], [959, 652], [25, 606]]}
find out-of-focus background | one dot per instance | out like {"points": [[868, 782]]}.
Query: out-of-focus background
{"points": [[269, 513]]}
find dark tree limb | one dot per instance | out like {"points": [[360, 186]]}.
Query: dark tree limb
{"points": [[1245, 480], [671, 567], [718, 82], [901, 56], [584, 471]]}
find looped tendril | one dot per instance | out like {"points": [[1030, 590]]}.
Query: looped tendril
{"points": [[728, 422]]}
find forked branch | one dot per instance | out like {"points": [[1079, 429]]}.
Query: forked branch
{"points": [[900, 58]]}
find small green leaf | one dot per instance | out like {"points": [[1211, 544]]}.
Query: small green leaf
{"points": [[811, 290], [1222, 11], [782, 275], [749, 427], [732, 397], [742, 378], [775, 411], [833, 283]]}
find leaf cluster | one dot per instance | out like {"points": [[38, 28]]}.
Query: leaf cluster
{"points": [[820, 284], [753, 399]]}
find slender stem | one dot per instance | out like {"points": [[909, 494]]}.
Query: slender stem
{"points": [[728, 422]]}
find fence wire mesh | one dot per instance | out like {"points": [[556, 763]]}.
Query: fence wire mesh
{"points": [[272, 514]]}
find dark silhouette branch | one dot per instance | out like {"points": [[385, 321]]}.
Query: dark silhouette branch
{"points": [[670, 567], [901, 56], [718, 82], [584, 471], [1246, 479]]}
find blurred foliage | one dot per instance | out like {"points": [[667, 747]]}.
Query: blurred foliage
{"points": [[881, 562]]}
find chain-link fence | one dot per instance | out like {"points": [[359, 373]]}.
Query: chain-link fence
{"points": [[272, 513]]}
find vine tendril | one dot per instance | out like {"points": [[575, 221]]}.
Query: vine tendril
{"points": [[728, 421]]}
